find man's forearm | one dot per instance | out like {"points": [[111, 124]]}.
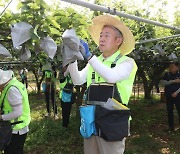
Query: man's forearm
{"points": [[17, 111], [165, 82]]}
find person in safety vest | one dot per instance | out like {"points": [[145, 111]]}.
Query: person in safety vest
{"points": [[66, 96], [23, 75], [171, 81], [114, 40], [15, 107], [50, 92]]}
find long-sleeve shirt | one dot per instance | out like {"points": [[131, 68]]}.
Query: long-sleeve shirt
{"points": [[15, 100], [111, 75], [170, 86]]}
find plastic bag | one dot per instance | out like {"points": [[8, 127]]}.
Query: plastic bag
{"points": [[4, 52], [48, 45], [87, 127], [20, 33]]}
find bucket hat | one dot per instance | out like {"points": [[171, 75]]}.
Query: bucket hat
{"points": [[100, 21], [5, 76]]}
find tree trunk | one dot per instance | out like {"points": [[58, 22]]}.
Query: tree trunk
{"points": [[150, 79], [147, 91], [38, 82]]}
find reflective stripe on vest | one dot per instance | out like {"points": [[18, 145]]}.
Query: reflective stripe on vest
{"points": [[25, 117], [124, 86]]}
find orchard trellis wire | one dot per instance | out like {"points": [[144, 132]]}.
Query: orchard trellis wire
{"points": [[96, 7], [5, 8]]}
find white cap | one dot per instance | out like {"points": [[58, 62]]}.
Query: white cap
{"points": [[5, 76]]}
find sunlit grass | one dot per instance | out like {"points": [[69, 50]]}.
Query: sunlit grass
{"points": [[148, 130]]}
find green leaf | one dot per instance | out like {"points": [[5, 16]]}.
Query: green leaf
{"points": [[55, 31], [33, 34], [35, 30], [53, 22], [34, 6]]}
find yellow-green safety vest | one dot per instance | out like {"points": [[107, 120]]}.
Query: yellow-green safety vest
{"points": [[25, 117], [48, 74], [124, 86], [63, 84]]}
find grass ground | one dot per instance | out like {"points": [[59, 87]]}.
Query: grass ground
{"points": [[148, 131]]}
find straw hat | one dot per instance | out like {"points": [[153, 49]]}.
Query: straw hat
{"points": [[100, 21], [5, 76]]}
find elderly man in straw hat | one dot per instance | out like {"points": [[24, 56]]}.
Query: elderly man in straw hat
{"points": [[14, 105], [115, 41]]}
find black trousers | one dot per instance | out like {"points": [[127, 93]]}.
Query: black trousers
{"points": [[170, 102], [50, 96], [66, 111], [16, 145], [25, 81]]}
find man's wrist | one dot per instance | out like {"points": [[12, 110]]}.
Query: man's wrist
{"points": [[90, 57]]}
